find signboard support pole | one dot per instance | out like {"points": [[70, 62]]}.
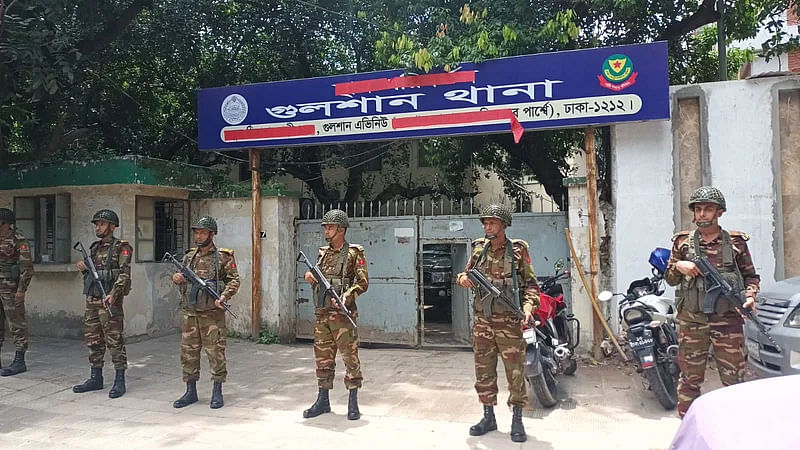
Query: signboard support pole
{"points": [[594, 253], [255, 173]]}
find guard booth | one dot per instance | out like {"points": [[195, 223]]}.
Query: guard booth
{"points": [[579, 88]]}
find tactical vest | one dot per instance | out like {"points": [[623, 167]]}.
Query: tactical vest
{"points": [[197, 297], [337, 280], [511, 290], [10, 270], [108, 274], [691, 291]]}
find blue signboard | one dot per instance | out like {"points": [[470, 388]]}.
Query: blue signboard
{"points": [[551, 90]]}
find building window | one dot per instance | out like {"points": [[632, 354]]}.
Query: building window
{"points": [[44, 220], [160, 228]]}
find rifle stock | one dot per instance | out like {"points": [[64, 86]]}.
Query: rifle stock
{"points": [[480, 280], [716, 287], [197, 282], [325, 287], [89, 263]]}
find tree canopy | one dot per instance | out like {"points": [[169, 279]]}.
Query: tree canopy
{"points": [[85, 78]]}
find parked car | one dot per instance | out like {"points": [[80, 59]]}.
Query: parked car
{"points": [[778, 307], [437, 279]]}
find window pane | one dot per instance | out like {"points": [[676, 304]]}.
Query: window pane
{"points": [[62, 222], [24, 207], [144, 229], [144, 206], [169, 226], [47, 229]]}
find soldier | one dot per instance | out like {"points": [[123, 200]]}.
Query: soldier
{"points": [[723, 328], [112, 258], [345, 267], [497, 329], [16, 270], [203, 324]]}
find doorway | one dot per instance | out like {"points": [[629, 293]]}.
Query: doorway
{"points": [[446, 305]]}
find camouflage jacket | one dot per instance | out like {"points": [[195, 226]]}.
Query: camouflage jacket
{"points": [[115, 273], [495, 267], [715, 252], [348, 276], [218, 265], [16, 264]]}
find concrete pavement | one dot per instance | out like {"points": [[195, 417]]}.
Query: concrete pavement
{"points": [[411, 399]]}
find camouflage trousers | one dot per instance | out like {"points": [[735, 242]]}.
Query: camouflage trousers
{"points": [[697, 332], [203, 330], [14, 311], [102, 331], [332, 332], [500, 334]]}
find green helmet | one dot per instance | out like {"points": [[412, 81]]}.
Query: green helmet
{"points": [[106, 215], [336, 217], [7, 216], [205, 223], [498, 212], [707, 194]]}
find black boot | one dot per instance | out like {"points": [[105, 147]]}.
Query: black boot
{"points": [[321, 406], [517, 429], [189, 397], [487, 423], [118, 389], [94, 383], [216, 396], [17, 366], [352, 406]]}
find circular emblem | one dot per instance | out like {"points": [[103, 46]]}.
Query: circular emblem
{"points": [[617, 68], [234, 109]]}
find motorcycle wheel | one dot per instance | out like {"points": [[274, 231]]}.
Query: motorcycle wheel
{"points": [[544, 386], [663, 385], [571, 367]]}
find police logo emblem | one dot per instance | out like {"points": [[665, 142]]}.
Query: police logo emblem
{"points": [[234, 109]]}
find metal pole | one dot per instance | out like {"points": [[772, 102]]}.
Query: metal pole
{"points": [[594, 254], [721, 44], [255, 174]]}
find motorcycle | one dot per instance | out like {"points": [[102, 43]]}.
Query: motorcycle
{"points": [[648, 321], [551, 341]]}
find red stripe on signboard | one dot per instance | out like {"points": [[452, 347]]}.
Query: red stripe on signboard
{"points": [[384, 84], [268, 133], [464, 118]]}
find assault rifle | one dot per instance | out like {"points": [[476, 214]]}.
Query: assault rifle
{"points": [[197, 282], [87, 260], [480, 280], [325, 287], [717, 287]]}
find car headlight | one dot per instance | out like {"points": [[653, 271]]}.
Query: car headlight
{"points": [[793, 321]]}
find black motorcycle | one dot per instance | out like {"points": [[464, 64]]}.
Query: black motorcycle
{"points": [[551, 341], [649, 323]]}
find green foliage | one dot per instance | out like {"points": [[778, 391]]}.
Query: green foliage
{"points": [[267, 337]]}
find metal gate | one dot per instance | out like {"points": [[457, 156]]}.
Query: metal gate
{"points": [[387, 312], [390, 310]]}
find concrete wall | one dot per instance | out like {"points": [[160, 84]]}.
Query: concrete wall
{"points": [[740, 120], [278, 309], [55, 304]]}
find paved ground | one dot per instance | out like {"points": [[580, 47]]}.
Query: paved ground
{"points": [[411, 399]]}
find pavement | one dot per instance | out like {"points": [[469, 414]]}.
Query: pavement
{"points": [[411, 398]]}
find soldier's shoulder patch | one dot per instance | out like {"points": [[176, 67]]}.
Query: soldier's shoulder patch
{"points": [[479, 241], [226, 250], [125, 248], [679, 234], [740, 234]]}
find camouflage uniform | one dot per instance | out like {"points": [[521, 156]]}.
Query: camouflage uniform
{"points": [[16, 271], [497, 329], [203, 324], [347, 272], [100, 330], [723, 328]]}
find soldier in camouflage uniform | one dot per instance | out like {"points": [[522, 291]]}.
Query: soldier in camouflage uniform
{"points": [[112, 258], [729, 253], [16, 270], [203, 324], [497, 329], [345, 267]]}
